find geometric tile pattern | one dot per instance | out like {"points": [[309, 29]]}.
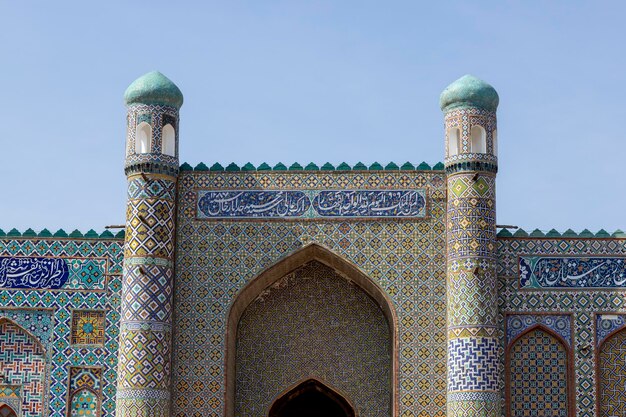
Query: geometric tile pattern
{"points": [[538, 382], [23, 362], [329, 329], [148, 296], [88, 327], [84, 391], [612, 375], [473, 364], [47, 315], [518, 323], [582, 305], [150, 222], [216, 259]]}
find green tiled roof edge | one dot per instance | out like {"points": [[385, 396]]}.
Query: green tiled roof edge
{"points": [[359, 166], [76, 234]]}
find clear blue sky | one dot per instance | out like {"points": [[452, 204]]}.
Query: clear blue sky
{"points": [[272, 81]]}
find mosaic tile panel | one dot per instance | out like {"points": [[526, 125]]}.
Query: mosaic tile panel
{"points": [[47, 314], [612, 376], [538, 376], [473, 364], [607, 324], [583, 306], [84, 391], [251, 204], [11, 395], [216, 259], [559, 324], [27, 272], [538, 272], [23, 362], [329, 329], [88, 327]]}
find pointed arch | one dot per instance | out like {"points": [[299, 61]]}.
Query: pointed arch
{"points": [[35, 339], [284, 266], [610, 372], [311, 385], [24, 359], [7, 411], [569, 369]]}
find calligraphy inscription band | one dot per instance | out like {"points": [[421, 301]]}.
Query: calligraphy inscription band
{"points": [[254, 204], [537, 272]]}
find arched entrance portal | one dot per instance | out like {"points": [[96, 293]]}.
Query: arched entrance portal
{"points": [[6, 411], [311, 399], [311, 316]]}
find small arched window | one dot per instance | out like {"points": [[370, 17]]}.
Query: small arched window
{"points": [[143, 136], [479, 140], [454, 141], [168, 140], [494, 137]]}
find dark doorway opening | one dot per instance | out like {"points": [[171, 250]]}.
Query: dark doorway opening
{"points": [[311, 399]]}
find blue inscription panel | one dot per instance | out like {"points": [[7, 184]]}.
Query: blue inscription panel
{"points": [[365, 203], [252, 204], [537, 272], [53, 273], [31, 272]]}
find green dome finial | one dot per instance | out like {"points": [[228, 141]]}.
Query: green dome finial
{"points": [[154, 88], [469, 91]]}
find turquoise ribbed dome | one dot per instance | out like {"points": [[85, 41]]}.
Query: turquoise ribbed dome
{"points": [[469, 91], [154, 88]]}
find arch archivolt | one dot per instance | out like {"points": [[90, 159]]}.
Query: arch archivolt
{"points": [[268, 280]]}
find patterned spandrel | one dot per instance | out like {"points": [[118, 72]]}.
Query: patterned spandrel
{"points": [[607, 324], [536, 272], [259, 204], [518, 323], [538, 376], [612, 376]]}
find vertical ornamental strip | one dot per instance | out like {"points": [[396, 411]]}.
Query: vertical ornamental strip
{"points": [[143, 387], [469, 105]]}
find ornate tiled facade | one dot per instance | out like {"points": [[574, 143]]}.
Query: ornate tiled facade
{"points": [[47, 316], [384, 289]]}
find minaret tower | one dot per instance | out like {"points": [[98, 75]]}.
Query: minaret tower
{"points": [[471, 164], [143, 387]]}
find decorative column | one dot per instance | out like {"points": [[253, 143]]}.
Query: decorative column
{"points": [[143, 387], [470, 107]]}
